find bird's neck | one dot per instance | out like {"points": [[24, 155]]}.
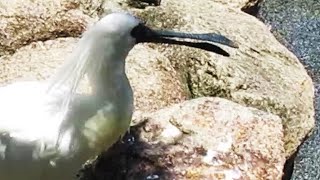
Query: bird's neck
{"points": [[100, 118], [108, 79], [107, 71], [114, 98]]}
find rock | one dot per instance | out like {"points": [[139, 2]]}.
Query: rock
{"points": [[154, 81], [296, 24], [150, 73], [204, 138], [37, 61], [238, 4], [262, 73], [141, 4], [26, 21]]}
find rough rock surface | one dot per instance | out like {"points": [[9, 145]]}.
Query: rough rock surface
{"points": [[154, 81], [231, 3], [239, 4], [203, 138], [37, 61], [262, 73], [296, 24], [26, 21]]}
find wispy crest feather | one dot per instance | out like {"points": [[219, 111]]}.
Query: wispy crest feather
{"points": [[71, 73]]}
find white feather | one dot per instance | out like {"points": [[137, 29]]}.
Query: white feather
{"points": [[35, 114]]}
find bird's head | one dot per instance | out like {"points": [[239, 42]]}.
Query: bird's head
{"points": [[102, 51], [125, 31], [105, 46]]}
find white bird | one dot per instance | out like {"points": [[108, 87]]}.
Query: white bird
{"points": [[47, 130]]}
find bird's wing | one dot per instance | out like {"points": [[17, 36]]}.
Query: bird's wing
{"points": [[26, 110]]}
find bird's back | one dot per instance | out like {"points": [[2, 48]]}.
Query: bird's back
{"points": [[29, 116], [29, 126], [28, 111]]}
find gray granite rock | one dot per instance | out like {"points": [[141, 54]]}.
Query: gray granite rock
{"points": [[296, 24]]}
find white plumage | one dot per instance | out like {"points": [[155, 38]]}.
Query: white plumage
{"points": [[47, 130], [28, 112]]}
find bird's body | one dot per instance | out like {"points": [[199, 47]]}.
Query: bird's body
{"points": [[39, 128], [63, 138], [47, 130]]}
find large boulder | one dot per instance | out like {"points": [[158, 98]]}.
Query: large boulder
{"points": [[203, 138], [262, 73]]}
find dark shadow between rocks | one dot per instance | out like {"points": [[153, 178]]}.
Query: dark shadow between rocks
{"points": [[125, 161], [288, 167], [252, 9], [142, 4]]}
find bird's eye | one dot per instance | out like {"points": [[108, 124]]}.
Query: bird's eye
{"points": [[143, 33], [138, 31]]}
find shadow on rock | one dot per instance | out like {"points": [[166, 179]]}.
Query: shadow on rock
{"points": [[125, 160]]}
